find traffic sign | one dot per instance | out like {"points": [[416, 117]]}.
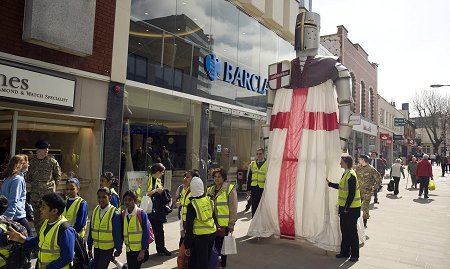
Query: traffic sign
{"points": [[399, 121]]}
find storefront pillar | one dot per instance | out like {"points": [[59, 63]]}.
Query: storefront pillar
{"points": [[204, 136]]}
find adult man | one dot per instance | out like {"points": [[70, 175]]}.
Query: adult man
{"points": [[369, 180], [44, 174], [257, 178], [412, 168], [444, 162], [380, 165], [424, 173]]}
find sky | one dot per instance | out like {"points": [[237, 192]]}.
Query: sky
{"points": [[409, 40]]}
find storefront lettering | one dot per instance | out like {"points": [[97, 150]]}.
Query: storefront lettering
{"points": [[14, 82]]}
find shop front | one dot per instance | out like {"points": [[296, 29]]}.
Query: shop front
{"points": [[66, 110], [386, 145], [363, 136]]}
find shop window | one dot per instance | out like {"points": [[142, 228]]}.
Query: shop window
{"points": [[352, 75], [371, 112], [137, 68], [362, 98]]}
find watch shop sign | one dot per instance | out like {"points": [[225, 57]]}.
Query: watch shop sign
{"points": [[21, 85]]}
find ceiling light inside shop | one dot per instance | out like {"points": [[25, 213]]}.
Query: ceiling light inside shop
{"points": [[243, 33], [147, 30], [146, 13], [184, 3], [179, 29]]}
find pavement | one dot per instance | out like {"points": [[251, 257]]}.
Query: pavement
{"points": [[403, 231]]}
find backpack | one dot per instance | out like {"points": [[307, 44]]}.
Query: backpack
{"points": [[151, 236], [81, 258], [19, 256]]}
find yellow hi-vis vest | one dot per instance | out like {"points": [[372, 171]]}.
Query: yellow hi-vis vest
{"points": [[132, 233], [4, 251], [48, 244], [204, 222], [72, 212], [343, 190], [102, 228], [150, 186], [221, 203], [258, 174], [184, 202]]}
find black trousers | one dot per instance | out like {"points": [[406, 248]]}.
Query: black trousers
{"points": [[443, 168], [158, 231], [218, 242], [424, 185], [132, 261], [102, 258], [396, 182], [350, 241], [256, 197], [201, 251]]}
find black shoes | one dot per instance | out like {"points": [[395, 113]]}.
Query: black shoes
{"points": [[354, 259], [165, 253], [365, 223], [339, 256], [376, 201]]}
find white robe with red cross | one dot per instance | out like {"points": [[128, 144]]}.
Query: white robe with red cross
{"points": [[304, 150]]}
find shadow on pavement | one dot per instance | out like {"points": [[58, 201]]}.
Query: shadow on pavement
{"points": [[282, 254], [155, 260], [423, 201], [393, 196]]}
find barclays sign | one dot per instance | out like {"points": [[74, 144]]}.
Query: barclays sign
{"points": [[236, 76]]}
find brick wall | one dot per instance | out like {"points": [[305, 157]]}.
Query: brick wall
{"points": [[11, 14]]}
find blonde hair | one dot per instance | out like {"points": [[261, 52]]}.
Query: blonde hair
{"points": [[15, 165]]}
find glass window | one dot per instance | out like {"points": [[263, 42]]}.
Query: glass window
{"points": [[155, 12], [362, 100], [269, 50], [182, 65], [194, 21], [285, 50], [224, 29], [249, 43]]}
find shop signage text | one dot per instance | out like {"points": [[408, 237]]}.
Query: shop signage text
{"points": [[398, 137], [399, 121], [25, 85], [232, 75]]}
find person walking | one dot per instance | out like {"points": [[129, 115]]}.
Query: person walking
{"points": [[107, 180], [224, 196], [397, 171], [257, 178], [412, 168], [424, 173], [369, 180], [444, 162], [349, 201], [185, 200], [76, 210], [44, 175], [380, 166]]}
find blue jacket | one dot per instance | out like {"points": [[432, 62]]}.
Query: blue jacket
{"points": [[82, 215], [15, 190]]}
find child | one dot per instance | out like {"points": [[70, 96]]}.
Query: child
{"points": [[51, 211], [76, 209], [136, 230], [105, 233], [107, 180]]}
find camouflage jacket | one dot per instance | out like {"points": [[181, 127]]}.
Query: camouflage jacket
{"points": [[44, 170], [368, 176]]}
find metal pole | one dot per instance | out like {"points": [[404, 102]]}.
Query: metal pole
{"points": [[12, 148]]}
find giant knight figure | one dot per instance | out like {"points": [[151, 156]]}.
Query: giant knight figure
{"points": [[309, 107]]}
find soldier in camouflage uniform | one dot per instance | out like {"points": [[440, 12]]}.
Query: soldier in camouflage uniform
{"points": [[369, 180], [44, 174]]}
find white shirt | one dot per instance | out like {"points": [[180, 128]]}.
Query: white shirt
{"points": [[132, 212], [103, 210]]}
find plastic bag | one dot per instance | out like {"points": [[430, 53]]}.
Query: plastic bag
{"points": [[146, 204], [229, 245], [431, 185]]}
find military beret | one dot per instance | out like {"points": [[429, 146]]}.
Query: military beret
{"points": [[42, 144]]}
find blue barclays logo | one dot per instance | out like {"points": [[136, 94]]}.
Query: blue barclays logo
{"points": [[235, 76]]}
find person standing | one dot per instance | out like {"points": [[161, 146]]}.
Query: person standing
{"points": [[224, 196], [444, 161], [397, 171], [380, 165], [412, 168], [369, 180], [256, 178], [107, 180], [349, 201], [44, 174], [424, 173], [76, 210]]}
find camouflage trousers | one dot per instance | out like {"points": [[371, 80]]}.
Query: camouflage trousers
{"points": [[365, 203], [36, 193]]}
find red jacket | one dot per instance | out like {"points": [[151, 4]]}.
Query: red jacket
{"points": [[424, 169]]}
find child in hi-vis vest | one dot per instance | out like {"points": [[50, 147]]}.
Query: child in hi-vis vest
{"points": [[76, 210]]}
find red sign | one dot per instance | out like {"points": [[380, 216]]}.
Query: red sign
{"points": [[385, 137]]}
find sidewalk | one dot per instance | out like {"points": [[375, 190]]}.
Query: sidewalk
{"points": [[404, 232]]}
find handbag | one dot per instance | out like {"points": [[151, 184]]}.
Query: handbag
{"points": [[182, 259], [431, 185], [146, 204], [229, 245], [213, 259], [390, 186]]}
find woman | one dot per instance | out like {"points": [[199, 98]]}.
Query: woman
{"points": [[412, 167], [155, 191], [107, 180], [200, 227], [396, 172], [15, 190], [349, 210], [184, 200], [224, 196]]}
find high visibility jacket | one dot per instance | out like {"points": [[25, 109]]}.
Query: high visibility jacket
{"points": [[132, 233], [102, 228], [184, 202], [203, 222], [258, 174], [72, 212], [343, 190], [4, 251], [48, 244], [113, 192], [221, 204], [150, 186]]}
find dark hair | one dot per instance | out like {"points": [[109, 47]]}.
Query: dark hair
{"points": [[364, 157], [193, 173], [131, 194], [157, 167], [105, 190], [376, 153], [109, 176], [54, 200], [261, 149], [221, 171], [348, 160], [3, 204]]}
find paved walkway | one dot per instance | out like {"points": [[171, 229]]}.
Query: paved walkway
{"points": [[403, 231]]}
